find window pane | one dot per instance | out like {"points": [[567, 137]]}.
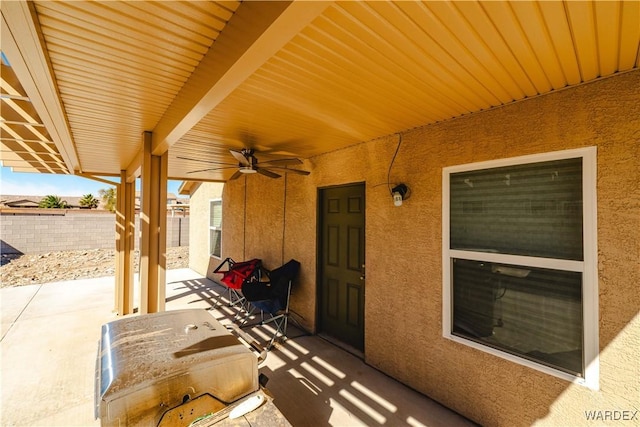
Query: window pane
{"points": [[531, 209], [215, 214], [214, 242], [530, 312]]}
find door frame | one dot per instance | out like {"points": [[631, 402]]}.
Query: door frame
{"points": [[319, 241]]}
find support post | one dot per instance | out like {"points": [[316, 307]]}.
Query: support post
{"points": [[125, 243], [153, 222]]}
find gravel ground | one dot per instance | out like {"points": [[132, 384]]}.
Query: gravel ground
{"points": [[32, 269]]}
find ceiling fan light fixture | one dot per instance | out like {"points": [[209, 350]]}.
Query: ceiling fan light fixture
{"points": [[247, 169]]}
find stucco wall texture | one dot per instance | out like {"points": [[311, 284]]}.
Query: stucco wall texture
{"points": [[199, 259], [277, 220]]}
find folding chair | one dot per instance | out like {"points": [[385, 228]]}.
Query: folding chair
{"points": [[272, 297], [236, 274]]}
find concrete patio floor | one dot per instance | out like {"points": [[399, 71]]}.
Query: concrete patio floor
{"points": [[49, 342]]}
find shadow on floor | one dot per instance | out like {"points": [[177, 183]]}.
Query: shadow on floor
{"points": [[316, 383]]}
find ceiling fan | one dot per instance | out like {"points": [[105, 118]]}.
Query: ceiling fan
{"points": [[248, 164]]}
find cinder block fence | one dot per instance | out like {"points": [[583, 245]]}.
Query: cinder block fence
{"points": [[50, 230]]}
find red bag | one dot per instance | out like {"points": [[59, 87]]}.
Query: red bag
{"points": [[239, 272]]}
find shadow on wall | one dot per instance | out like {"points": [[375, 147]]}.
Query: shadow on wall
{"points": [[6, 248]]}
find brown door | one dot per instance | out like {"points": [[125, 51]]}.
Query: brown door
{"points": [[342, 239]]}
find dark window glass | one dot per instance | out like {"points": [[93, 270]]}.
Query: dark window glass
{"points": [[531, 209], [530, 312]]}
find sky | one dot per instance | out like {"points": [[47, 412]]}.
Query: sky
{"points": [[44, 184]]}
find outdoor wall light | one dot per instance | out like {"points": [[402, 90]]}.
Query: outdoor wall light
{"points": [[399, 193]]}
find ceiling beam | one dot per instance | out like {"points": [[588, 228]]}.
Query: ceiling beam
{"points": [[134, 169], [23, 45], [254, 34], [99, 179]]}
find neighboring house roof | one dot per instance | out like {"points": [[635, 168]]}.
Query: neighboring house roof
{"points": [[187, 187], [21, 201], [170, 196], [172, 199]]}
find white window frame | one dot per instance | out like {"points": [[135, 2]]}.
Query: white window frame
{"points": [[211, 227], [588, 267]]}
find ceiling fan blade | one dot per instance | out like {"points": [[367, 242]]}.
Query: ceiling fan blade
{"points": [[240, 157], [268, 173], [205, 161], [213, 169], [298, 171], [236, 175], [282, 162]]}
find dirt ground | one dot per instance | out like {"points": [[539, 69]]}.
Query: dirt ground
{"points": [[31, 269]]}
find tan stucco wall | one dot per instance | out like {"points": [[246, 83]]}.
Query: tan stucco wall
{"points": [[199, 259], [276, 220]]}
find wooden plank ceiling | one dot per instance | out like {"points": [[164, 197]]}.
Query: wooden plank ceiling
{"points": [[25, 144], [286, 79]]}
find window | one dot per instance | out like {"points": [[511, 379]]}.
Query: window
{"points": [[519, 261], [215, 227]]}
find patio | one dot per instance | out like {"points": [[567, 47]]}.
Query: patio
{"points": [[49, 341]]}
